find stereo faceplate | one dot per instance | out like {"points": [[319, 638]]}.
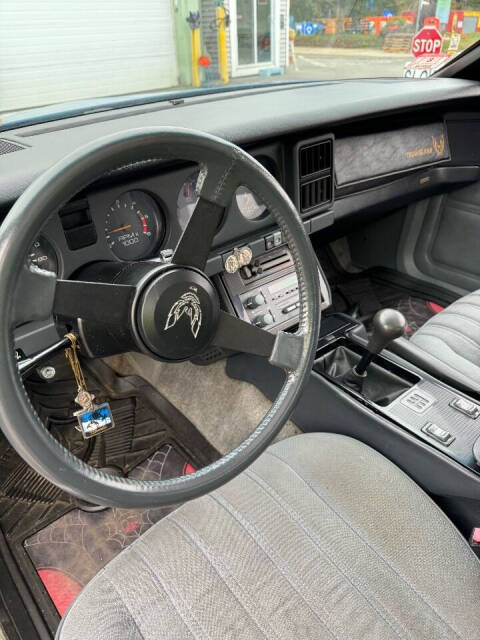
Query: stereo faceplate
{"points": [[267, 294]]}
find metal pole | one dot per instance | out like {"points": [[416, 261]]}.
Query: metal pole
{"points": [[195, 57], [222, 43], [194, 23], [419, 11]]}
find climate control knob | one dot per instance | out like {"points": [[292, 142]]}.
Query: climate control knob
{"points": [[264, 320], [255, 301]]}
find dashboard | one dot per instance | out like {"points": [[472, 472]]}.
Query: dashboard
{"points": [[343, 151]]}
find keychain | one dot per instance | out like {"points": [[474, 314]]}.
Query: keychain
{"points": [[92, 419]]}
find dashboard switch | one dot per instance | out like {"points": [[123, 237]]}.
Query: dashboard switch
{"points": [[438, 434], [254, 301], [291, 307], [264, 320], [466, 407], [277, 238], [269, 242]]}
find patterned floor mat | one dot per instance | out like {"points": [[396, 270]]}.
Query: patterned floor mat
{"points": [[71, 550], [416, 312], [362, 297]]}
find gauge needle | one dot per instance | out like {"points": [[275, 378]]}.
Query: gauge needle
{"points": [[127, 226]]}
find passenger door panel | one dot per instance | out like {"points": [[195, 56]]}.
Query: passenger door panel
{"points": [[441, 240]]}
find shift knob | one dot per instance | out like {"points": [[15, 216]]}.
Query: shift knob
{"points": [[388, 325]]}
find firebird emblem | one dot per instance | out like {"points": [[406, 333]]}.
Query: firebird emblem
{"points": [[188, 304], [438, 145]]}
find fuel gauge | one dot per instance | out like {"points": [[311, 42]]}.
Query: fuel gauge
{"points": [[43, 255]]}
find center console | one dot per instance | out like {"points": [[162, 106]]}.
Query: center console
{"points": [[395, 397], [265, 292], [434, 412]]}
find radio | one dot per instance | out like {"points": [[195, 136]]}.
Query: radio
{"points": [[265, 293]]}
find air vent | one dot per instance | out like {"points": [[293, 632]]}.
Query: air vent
{"points": [[9, 147], [315, 193], [78, 225], [315, 175], [315, 157]]}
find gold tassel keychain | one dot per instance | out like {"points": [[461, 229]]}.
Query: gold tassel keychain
{"points": [[92, 419]]}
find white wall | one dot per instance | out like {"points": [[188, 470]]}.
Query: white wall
{"points": [[57, 50]]}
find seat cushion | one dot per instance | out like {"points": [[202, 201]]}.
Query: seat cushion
{"points": [[453, 337], [321, 538]]}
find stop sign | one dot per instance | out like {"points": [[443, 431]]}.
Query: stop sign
{"points": [[427, 42]]}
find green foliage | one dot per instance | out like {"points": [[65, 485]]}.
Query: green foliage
{"points": [[313, 10], [465, 42], [341, 40], [304, 10]]}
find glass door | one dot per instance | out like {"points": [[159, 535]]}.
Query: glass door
{"points": [[264, 31], [254, 32]]}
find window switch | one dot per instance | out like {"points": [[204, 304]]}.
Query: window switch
{"points": [[466, 407], [438, 434]]}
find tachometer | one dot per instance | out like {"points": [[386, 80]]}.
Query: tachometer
{"points": [[133, 225], [43, 255]]}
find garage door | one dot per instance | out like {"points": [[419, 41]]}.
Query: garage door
{"points": [[57, 50]]}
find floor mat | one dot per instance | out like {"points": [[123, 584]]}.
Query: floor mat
{"points": [[71, 550], [362, 297], [417, 312]]}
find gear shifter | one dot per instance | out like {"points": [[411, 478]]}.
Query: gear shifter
{"points": [[388, 325]]}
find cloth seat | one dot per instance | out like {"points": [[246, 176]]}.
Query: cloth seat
{"points": [[321, 538], [452, 337]]}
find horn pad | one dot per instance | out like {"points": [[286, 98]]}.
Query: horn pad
{"points": [[177, 314]]}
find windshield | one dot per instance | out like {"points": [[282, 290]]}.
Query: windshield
{"points": [[92, 52]]}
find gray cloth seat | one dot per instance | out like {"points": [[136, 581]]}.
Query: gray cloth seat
{"points": [[321, 538], [452, 338]]}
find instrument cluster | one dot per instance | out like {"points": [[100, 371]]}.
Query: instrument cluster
{"points": [[134, 225]]}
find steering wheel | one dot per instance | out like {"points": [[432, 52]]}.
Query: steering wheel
{"points": [[117, 307]]}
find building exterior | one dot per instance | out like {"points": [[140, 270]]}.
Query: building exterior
{"points": [[257, 35], [90, 48], [114, 47]]}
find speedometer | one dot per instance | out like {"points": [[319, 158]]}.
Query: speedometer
{"points": [[134, 225]]}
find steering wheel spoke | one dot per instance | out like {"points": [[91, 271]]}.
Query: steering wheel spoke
{"points": [[194, 245], [282, 349], [219, 182], [95, 301]]}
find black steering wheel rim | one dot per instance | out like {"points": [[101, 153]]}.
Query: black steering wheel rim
{"points": [[227, 167]]}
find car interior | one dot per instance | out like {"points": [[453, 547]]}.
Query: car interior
{"points": [[239, 391]]}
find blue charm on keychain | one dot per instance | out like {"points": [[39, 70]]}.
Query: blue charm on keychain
{"points": [[95, 420]]}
